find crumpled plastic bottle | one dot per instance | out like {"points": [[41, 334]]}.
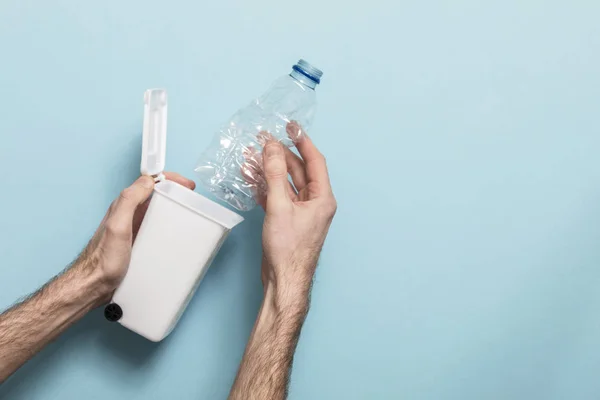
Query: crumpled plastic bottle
{"points": [[231, 167]]}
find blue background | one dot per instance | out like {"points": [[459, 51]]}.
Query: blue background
{"points": [[462, 139]]}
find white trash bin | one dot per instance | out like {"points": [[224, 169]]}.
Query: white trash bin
{"points": [[180, 235]]}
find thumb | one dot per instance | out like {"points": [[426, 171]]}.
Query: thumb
{"points": [[131, 198], [275, 172]]}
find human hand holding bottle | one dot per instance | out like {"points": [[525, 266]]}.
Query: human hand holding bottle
{"points": [[296, 223], [297, 218]]}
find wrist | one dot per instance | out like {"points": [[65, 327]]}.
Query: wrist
{"points": [[288, 286], [91, 282], [289, 303]]}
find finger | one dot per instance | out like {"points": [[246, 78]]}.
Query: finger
{"points": [[138, 217], [256, 181], [263, 137], [261, 200], [276, 173], [182, 180], [252, 167], [294, 131], [295, 165], [140, 212], [130, 199], [292, 192], [296, 169], [253, 174], [100, 228], [316, 167]]}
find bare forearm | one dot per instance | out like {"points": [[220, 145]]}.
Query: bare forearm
{"points": [[266, 365], [27, 327]]}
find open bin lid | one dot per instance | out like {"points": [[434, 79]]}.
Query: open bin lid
{"points": [[154, 140]]}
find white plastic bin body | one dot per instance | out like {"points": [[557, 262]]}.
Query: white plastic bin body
{"points": [[177, 241]]}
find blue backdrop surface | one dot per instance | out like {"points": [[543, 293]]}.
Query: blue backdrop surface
{"points": [[462, 139]]}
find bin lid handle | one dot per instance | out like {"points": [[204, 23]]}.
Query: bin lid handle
{"points": [[154, 140]]}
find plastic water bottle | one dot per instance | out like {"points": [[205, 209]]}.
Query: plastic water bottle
{"points": [[231, 167]]}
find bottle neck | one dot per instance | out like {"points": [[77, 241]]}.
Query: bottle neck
{"points": [[303, 79]]}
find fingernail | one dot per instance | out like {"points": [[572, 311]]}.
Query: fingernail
{"points": [[272, 149], [262, 137], [147, 182], [294, 131]]}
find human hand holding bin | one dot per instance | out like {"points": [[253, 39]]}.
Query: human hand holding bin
{"points": [[178, 238]]}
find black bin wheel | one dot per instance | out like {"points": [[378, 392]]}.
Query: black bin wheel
{"points": [[113, 312]]}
